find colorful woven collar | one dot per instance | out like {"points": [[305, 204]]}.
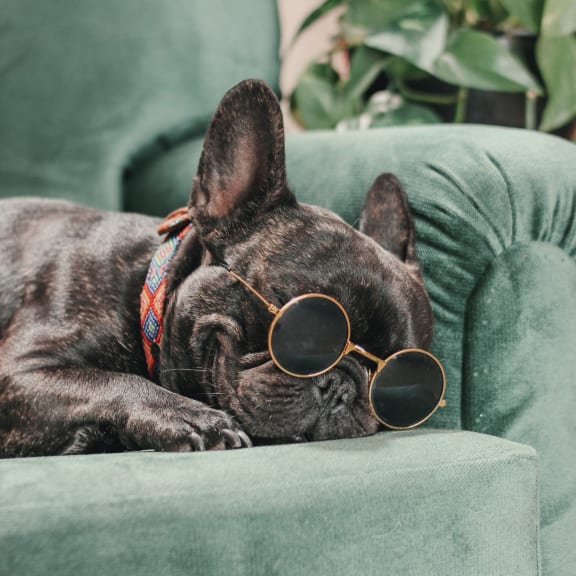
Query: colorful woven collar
{"points": [[153, 297]]}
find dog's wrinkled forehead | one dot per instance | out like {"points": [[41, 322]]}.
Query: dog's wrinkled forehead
{"points": [[310, 241], [309, 249]]}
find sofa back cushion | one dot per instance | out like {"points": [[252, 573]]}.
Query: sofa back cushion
{"points": [[91, 89]]}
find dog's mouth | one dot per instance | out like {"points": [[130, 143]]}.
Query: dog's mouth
{"points": [[272, 406]]}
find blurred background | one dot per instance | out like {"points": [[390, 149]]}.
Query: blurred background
{"points": [[311, 44], [359, 64]]}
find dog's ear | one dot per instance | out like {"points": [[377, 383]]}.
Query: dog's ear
{"points": [[241, 172], [386, 218]]}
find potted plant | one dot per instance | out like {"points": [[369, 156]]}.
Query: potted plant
{"points": [[433, 58]]}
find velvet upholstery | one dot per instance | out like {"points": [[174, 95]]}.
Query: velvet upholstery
{"points": [[108, 84], [106, 103], [412, 503]]}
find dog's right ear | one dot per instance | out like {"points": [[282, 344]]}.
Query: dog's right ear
{"points": [[241, 173], [386, 218]]}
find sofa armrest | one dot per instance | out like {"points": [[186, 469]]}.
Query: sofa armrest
{"points": [[475, 191], [496, 233], [421, 502]]}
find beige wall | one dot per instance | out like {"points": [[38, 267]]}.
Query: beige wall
{"points": [[313, 42]]}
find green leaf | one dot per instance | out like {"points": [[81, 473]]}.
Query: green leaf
{"points": [[406, 115], [419, 35], [398, 68], [557, 61], [319, 100], [477, 60], [314, 100], [388, 109], [470, 12], [365, 66], [376, 14], [528, 12], [316, 14], [559, 18]]}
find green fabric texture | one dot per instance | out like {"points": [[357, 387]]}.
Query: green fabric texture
{"points": [[163, 183], [521, 318], [422, 502], [107, 84]]}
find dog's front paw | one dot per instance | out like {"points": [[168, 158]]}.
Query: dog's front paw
{"points": [[181, 425]]}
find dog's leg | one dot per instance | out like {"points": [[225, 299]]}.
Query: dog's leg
{"points": [[69, 410]]}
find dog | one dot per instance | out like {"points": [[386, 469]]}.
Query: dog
{"points": [[74, 375]]}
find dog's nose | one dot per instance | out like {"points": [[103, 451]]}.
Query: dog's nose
{"points": [[338, 388]]}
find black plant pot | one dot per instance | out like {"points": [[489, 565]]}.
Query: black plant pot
{"points": [[504, 108], [510, 109]]}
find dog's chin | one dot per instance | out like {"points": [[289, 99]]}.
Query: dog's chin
{"points": [[274, 407]]}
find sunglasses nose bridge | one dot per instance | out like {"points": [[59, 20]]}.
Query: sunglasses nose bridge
{"points": [[354, 348]]}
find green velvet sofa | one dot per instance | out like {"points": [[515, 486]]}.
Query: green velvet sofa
{"points": [[105, 102]]}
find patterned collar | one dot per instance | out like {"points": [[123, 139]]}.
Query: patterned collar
{"points": [[153, 296]]}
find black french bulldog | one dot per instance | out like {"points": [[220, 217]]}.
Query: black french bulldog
{"points": [[73, 376]]}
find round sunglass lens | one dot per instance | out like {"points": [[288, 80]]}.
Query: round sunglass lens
{"points": [[309, 336], [408, 389]]}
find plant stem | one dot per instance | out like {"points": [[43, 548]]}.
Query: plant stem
{"points": [[462, 101], [530, 114], [426, 97]]}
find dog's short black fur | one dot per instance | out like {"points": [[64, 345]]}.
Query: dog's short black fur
{"points": [[72, 371]]}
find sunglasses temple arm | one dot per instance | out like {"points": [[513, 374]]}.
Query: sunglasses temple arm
{"points": [[269, 306]]}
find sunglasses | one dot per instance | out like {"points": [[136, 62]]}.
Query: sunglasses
{"points": [[310, 334]]}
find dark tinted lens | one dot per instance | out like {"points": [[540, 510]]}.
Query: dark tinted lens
{"points": [[407, 390], [309, 336]]}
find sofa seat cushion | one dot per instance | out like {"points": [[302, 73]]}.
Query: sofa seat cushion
{"points": [[420, 502]]}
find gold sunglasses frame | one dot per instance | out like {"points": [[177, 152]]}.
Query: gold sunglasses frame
{"points": [[348, 348]]}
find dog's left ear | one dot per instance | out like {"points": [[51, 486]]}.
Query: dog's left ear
{"points": [[241, 172], [386, 218]]}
